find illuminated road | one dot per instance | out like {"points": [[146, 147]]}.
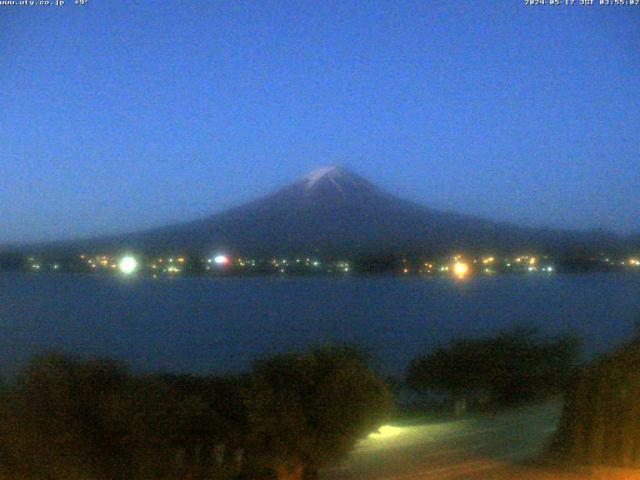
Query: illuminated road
{"points": [[485, 447]]}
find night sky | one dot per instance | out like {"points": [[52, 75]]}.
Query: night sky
{"points": [[119, 115]]}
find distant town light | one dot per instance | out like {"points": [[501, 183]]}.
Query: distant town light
{"points": [[221, 259], [460, 269], [128, 265]]}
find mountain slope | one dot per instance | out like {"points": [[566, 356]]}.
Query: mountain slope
{"points": [[333, 211]]}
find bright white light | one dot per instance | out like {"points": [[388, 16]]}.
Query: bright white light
{"points": [[128, 265], [221, 259]]}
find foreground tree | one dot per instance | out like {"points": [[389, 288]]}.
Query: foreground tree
{"points": [[509, 368], [308, 410], [58, 424], [601, 417], [74, 419], [68, 418]]}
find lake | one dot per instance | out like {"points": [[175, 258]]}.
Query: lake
{"points": [[213, 325]]}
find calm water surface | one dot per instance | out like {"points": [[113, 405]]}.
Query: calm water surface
{"points": [[206, 325]]}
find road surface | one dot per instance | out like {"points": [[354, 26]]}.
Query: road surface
{"points": [[480, 447]]}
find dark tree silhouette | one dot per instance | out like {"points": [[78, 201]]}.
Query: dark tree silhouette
{"points": [[74, 419], [307, 410], [601, 418], [510, 368], [58, 422]]}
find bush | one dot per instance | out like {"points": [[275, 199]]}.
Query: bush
{"points": [[58, 422], [307, 410], [510, 368], [75, 419]]}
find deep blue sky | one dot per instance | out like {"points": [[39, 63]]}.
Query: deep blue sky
{"points": [[121, 115]]}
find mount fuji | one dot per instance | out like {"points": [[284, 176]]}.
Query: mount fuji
{"points": [[333, 211]]}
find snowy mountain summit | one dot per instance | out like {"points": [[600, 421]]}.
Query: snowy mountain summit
{"points": [[325, 173], [337, 182]]}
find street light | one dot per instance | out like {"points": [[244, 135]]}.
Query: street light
{"points": [[128, 265]]}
